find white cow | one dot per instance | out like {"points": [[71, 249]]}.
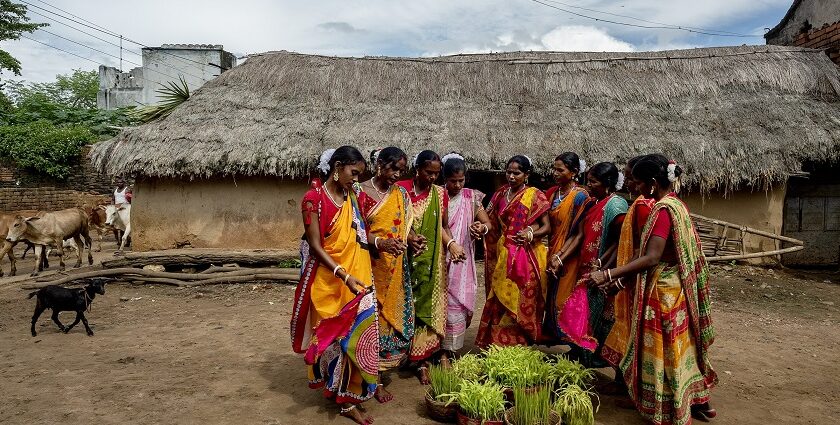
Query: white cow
{"points": [[52, 228], [120, 218]]}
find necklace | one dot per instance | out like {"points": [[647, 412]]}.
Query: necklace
{"points": [[508, 196], [332, 196], [380, 192], [414, 188]]}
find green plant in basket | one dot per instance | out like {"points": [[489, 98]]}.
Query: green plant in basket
{"points": [[482, 400], [517, 367], [445, 383], [574, 403], [568, 372], [531, 407], [470, 367]]}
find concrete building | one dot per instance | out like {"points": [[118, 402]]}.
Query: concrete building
{"points": [[814, 24], [196, 63]]}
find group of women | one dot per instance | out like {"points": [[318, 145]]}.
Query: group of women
{"points": [[389, 275]]}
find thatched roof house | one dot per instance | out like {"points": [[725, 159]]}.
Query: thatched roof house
{"points": [[736, 117]]}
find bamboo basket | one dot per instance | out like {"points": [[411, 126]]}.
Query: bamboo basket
{"points": [[554, 419], [439, 410]]}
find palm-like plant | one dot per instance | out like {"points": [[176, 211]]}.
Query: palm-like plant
{"points": [[172, 94]]}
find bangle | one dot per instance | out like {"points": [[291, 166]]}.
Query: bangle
{"points": [[618, 284], [335, 270], [530, 234], [600, 264], [486, 229], [346, 277], [559, 260], [376, 242], [609, 275], [451, 241]]}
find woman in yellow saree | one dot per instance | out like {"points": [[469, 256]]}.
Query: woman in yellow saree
{"points": [[666, 365], [389, 223], [568, 202], [334, 314], [515, 261]]}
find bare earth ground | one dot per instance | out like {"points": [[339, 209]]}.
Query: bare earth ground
{"points": [[221, 355]]}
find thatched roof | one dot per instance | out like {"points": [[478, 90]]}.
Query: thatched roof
{"points": [[730, 116]]}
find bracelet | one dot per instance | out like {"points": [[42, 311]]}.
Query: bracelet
{"points": [[376, 242], [335, 270], [451, 241], [530, 234], [600, 264], [618, 284], [486, 229], [559, 260], [609, 275], [346, 277]]}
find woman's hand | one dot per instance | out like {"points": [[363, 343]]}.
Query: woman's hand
{"points": [[477, 230], [599, 279], [456, 252], [392, 246], [417, 243], [356, 286], [555, 266], [524, 236]]}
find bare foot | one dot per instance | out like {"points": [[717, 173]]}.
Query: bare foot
{"points": [[423, 375], [382, 395], [353, 413], [703, 412]]}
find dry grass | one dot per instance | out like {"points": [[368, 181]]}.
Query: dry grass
{"points": [[731, 120]]}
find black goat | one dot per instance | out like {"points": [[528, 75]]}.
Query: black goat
{"points": [[63, 299]]}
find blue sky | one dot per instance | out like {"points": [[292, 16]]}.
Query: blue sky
{"points": [[378, 27]]}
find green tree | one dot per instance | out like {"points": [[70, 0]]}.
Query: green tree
{"points": [[13, 23]]}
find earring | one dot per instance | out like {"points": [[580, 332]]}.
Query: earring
{"points": [[335, 177], [651, 191], [378, 171]]}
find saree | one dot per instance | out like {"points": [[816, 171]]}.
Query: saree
{"points": [[428, 274], [631, 232], [462, 282], [583, 319], [667, 367], [563, 215], [336, 329], [391, 219], [513, 313]]}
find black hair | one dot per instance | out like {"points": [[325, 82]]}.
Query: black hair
{"points": [[606, 173], [654, 166], [633, 161], [387, 156], [426, 157], [453, 166], [524, 163], [571, 160], [346, 155]]}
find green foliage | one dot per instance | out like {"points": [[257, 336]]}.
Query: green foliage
{"points": [[71, 99], [172, 95], [444, 382], [518, 367], [575, 405], [13, 23], [44, 147], [470, 367], [292, 263], [531, 407], [485, 401], [567, 372]]}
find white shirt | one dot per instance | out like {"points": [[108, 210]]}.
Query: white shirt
{"points": [[119, 196]]}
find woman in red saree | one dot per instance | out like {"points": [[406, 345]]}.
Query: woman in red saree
{"points": [[666, 365], [585, 318], [334, 315], [568, 201], [515, 261]]}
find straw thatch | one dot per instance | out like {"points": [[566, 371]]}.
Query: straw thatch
{"points": [[729, 115]]}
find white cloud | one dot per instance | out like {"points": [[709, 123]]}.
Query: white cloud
{"points": [[578, 38]]}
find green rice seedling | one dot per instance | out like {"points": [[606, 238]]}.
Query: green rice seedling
{"points": [[444, 381], [531, 407], [482, 400], [568, 372], [470, 367], [517, 367], [575, 405]]}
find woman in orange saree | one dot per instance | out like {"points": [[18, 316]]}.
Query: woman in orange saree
{"points": [[515, 261], [334, 314], [389, 222], [666, 365], [567, 206]]}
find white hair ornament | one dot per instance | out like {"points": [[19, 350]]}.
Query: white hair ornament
{"points": [[581, 166], [530, 163], [376, 155], [449, 156], [324, 161], [672, 171], [414, 161], [620, 182]]}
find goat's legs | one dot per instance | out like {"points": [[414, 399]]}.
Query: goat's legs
{"points": [[75, 322], [85, 322], [57, 322], [38, 311]]}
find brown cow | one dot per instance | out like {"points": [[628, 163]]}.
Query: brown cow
{"points": [[53, 228], [6, 220], [96, 219]]}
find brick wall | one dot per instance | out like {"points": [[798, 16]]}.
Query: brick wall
{"points": [[826, 38], [23, 190]]}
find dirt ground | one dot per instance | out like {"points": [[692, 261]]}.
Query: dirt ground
{"points": [[219, 355]]}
